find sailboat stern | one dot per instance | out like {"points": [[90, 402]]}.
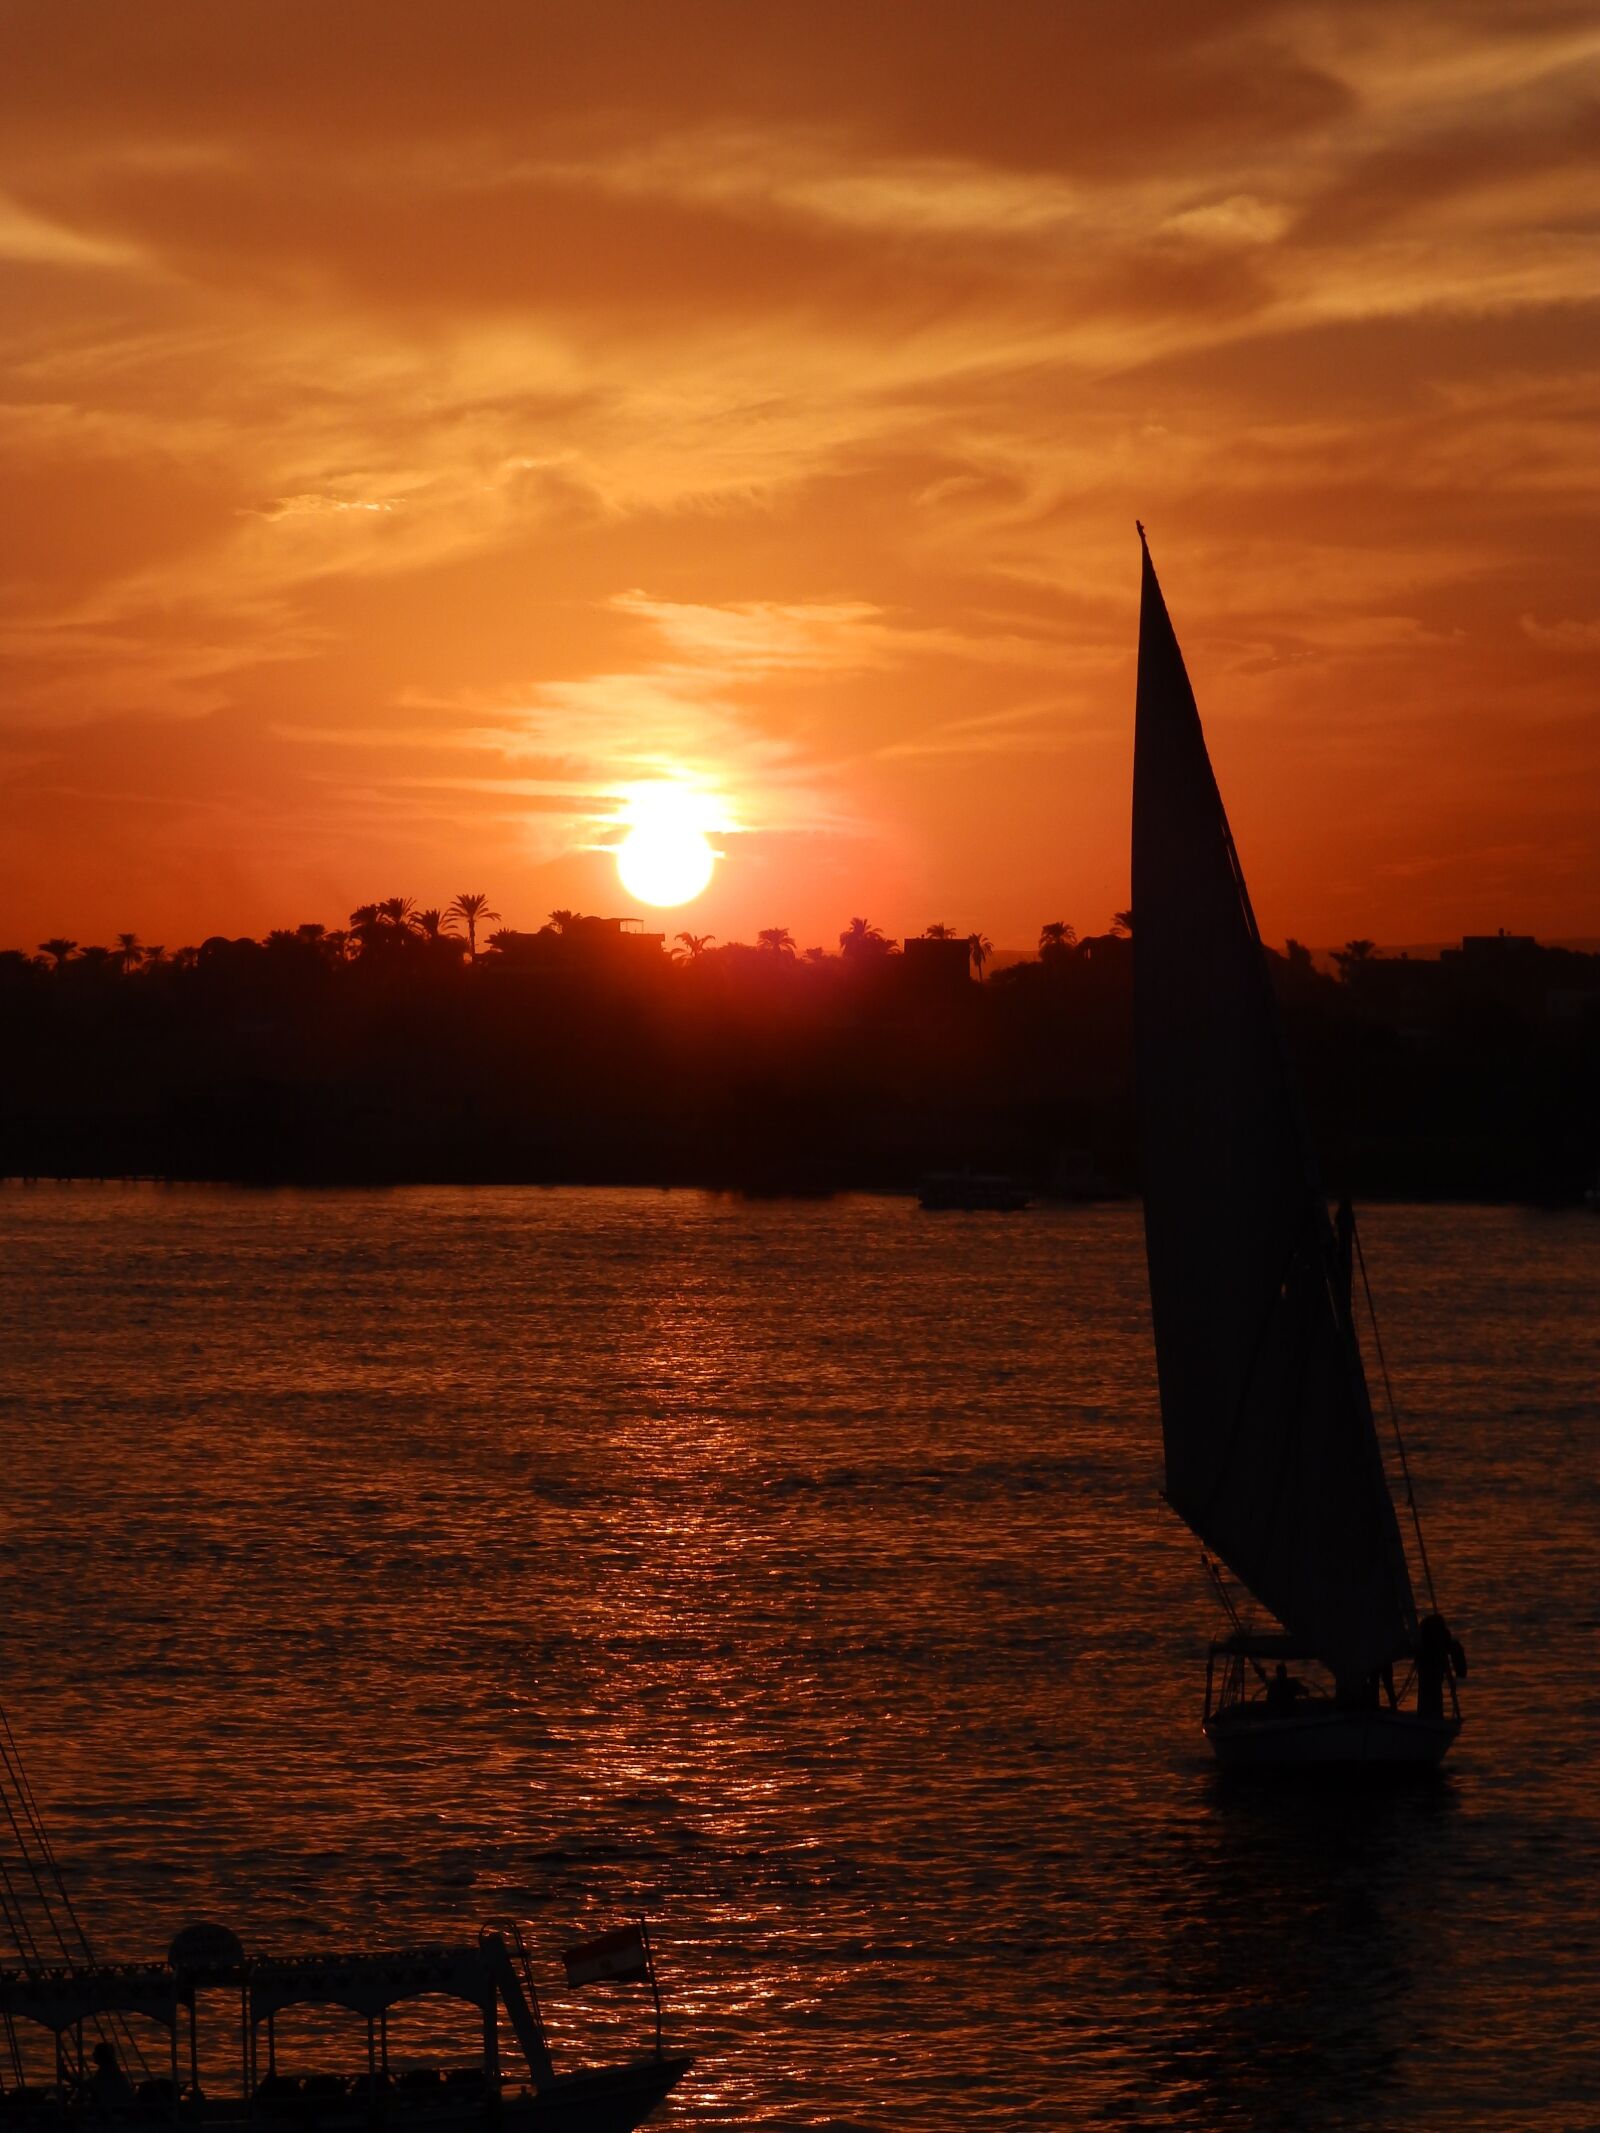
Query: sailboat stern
{"points": [[1284, 1723], [1321, 1735]]}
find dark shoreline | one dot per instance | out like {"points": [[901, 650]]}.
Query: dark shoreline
{"points": [[720, 1185], [603, 1062]]}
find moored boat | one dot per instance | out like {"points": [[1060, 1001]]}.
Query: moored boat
{"points": [[78, 2002], [1272, 1452], [972, 1191]]}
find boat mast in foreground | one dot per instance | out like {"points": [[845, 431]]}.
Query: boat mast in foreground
{"points": [[1272, 1452]]}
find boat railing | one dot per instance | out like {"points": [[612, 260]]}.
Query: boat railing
{"points": [[1230, 1660], [292, 2099], [153, 2102], [1244, 1651]]}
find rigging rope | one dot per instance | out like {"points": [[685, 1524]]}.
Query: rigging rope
{"points": [[39, 1849], [1394, 1418], [26, 1856], [33, 1847], [16, 1918], [1213, 1571], [16, 1921]]}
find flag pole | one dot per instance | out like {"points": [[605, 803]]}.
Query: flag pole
{"points": [[655, 1983]]}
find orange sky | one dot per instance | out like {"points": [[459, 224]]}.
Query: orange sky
{"points": [[422, 421]]}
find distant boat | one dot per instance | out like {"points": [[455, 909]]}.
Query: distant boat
{"points": [[976, 1191], [1073, 1176], [1272, 1451]]}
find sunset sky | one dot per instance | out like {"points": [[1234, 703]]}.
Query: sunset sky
{"points": [[423, 423]]}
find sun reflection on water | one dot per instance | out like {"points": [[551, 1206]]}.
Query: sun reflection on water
{"points": [[796, 1575]]}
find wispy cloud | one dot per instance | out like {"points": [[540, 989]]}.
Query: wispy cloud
{"points": [[1565, 636], [592, 398]]}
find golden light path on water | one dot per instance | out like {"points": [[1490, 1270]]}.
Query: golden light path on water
{"points": [[795, 1573]]}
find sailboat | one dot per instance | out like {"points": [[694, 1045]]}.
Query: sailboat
{"points": [[1272, 1451]]}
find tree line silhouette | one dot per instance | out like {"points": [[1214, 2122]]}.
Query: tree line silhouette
{"points": [[440, 1044], [398, 921]]}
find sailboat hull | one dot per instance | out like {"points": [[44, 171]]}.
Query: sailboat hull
{"points": [[1321, 1736]]}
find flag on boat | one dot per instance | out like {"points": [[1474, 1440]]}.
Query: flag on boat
{"points": [[612, 1959]]}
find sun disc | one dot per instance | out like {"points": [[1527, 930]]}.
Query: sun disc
{"points": [[665, 858]]}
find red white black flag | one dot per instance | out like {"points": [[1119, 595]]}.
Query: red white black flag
{"points": [[612, 1959]]}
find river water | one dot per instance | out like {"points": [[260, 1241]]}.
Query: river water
{"points": [[374, 1564]]}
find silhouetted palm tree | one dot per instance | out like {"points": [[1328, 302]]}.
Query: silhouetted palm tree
{"points": [[1351, 957], [860, 939], [366, 926], [776, 940], [469, 907], [1123, 923], [128, 952], [980, 948], [430, 924], [696, 944], [938, 933], [563, 918], [157, 954], [399, 912], [1056, 942], [58, 950]]}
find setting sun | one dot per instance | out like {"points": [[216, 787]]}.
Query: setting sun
{"points": [[665, 858]]}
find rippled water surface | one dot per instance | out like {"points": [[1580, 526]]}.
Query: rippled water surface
{"points": [[375, 1564]]}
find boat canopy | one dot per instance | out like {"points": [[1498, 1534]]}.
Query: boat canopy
{"points": [[1272, 1456], [366, 1984], [59, 1998], [370, 1984]]}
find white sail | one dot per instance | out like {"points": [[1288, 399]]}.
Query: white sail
{"points": [[1272, 1454]]}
